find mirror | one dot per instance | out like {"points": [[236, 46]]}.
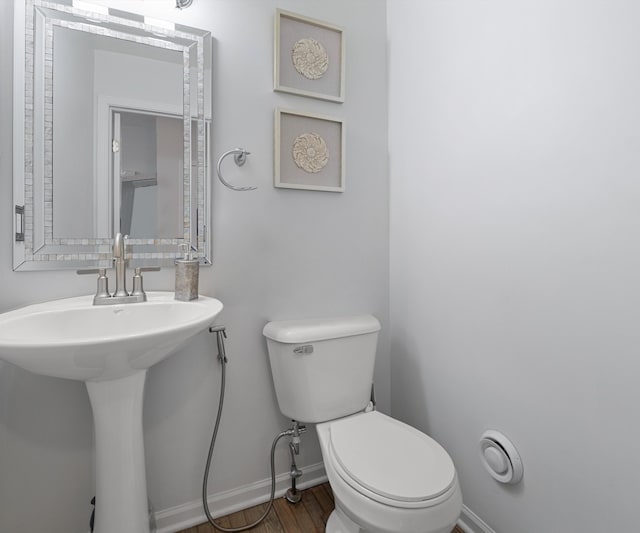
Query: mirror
{"points": [[111, 134]]}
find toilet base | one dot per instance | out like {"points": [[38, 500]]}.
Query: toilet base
{"points": [[339, 522]]}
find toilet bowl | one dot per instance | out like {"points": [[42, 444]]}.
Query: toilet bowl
{"points": [[386, 476]]}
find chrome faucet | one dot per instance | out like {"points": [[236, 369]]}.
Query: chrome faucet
{"points": [[120, 266], [120, 295]]}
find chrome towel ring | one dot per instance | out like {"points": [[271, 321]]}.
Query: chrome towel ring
{"points": [[240, 158]]}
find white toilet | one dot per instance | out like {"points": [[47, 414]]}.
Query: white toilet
{"points": [[386, 476]]}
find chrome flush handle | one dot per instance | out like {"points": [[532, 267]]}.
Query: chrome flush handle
{"points": [[303, 350]]}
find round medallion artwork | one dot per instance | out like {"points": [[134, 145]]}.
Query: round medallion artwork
{"points": [[310, 152], [310, 58]]}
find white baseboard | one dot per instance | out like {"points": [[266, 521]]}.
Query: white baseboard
{"points": [[223, 503], [470, 522]]}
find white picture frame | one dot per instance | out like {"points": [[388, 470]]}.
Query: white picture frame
{"points": [[309, 57], [309, 151]]}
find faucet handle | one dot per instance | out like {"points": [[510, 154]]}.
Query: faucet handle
{"points": [[90, 270], [102, 290], [148, 269], [138, 290]]}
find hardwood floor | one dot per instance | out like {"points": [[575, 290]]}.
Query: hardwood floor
{"points": [[308, 516]]}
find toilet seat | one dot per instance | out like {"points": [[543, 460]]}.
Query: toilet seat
{"points": [[389, 461]]}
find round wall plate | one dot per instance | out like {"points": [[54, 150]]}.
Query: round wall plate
{"points": [[500, 457]]}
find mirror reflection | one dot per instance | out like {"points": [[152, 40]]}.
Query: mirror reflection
{"points": [[94, 76], [114, 138], [148, 166]]}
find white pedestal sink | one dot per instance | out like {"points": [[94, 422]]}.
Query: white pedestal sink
{"points": [[110, 348]]}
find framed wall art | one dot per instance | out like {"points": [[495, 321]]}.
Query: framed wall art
{"points": [[309, 151], [309, 57]]}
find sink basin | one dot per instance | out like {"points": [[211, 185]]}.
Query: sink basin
{"points": [[110, 348], [71, 338]]}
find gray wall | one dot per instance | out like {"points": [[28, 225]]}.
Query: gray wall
{"points": [[277, 254], [514, 249]]}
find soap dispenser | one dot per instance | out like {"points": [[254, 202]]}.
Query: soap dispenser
{"points": [[187, 270]]}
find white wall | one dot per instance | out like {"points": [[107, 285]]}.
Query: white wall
{"points": [[514, 249], [277, 254]]}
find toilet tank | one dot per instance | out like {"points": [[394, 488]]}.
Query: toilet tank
{"points": [[322, 369]]}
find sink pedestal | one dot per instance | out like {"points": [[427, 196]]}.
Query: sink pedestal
{"points": [[121, 487]]}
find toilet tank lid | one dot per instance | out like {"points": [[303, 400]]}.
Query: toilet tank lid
{"points": [[310, 330]]}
